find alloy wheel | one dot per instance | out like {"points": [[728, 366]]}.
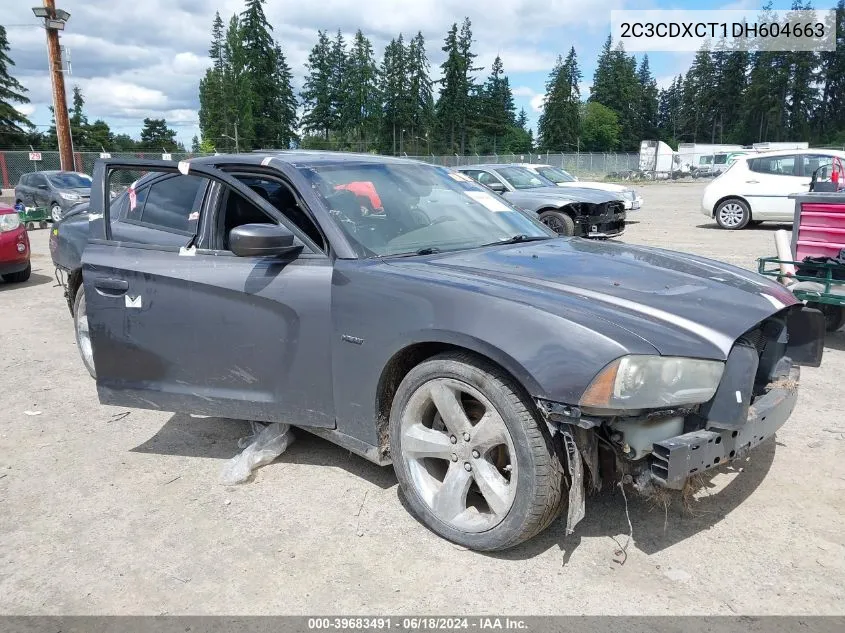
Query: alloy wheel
{"points": [[460, 455], [731, 214]]}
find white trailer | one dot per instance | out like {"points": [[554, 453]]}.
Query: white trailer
{"points": [[706, 157], [770, 147], [658, 159]]}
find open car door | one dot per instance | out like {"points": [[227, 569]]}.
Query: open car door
{"points": [[194, 330]]}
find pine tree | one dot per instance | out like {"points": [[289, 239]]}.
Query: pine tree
{"points": [[451, 84], [195, 144], [13, 124], [497, 112], [100, 135], [647, 105], [615, 85], [470, 95], [420, 94], [338, 86], [317, 92], [212, 110], [237, 119], [156, 136], [273, 121], [394, 90], [830, 114], [560, 122], [362, 103], [78, 120]]}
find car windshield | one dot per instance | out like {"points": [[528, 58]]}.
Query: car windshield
{"points": [[555, 174], [70, 180], [406, 208], [522, 178]]}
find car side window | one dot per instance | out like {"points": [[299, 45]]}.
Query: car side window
{"points": [[486, 178], [171, 204], [38, 180], [775, 165], [472, 173]]}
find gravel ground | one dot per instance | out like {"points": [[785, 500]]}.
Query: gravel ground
{"points": [[110, 511]]}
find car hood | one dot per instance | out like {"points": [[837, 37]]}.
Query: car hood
{"points": [[571, 194], [82, 191], [679, 303]]}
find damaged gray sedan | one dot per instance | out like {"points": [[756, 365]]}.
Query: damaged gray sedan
{"points": [[410, 316]]}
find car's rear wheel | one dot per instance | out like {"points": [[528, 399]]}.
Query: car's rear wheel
{"points": [[733, 214], [474, 462], [18, 277], [559, 222], [55, 211], [83, 337]]}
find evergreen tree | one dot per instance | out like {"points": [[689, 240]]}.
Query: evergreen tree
{"points": [[284, 106], [615, 85], [317, 91], [237, 119], [600, 128], [420, 94], [470, 96], [339, 85], [830, 114], [13, 125], [560, 122], [497, 112], [78, 120], [362, 103], [647, 105], [457, 108], [156, 136], [195, 144], [394, 91], [212, 92], [100, 136]]}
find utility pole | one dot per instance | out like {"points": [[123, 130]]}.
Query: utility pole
{"points": [[54, 21], [237, 146]]}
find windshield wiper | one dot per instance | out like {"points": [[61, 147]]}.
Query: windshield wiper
{"points": [[520, 237], [428, 250]]}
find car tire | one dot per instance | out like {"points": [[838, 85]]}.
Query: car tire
{"points": [[18, 277], [834, 315], [755, 223], [80, 327], [559, 222], [733, 214], [458, 485], [55, 211]]}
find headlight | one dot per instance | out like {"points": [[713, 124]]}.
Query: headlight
{"points": [[69, 196], [652, 382], [9, 222]]}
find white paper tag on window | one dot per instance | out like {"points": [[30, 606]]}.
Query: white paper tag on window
{"points": [[488, 201], [133, 302]]}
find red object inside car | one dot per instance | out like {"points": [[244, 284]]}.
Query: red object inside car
{"points": [[364, 189]]}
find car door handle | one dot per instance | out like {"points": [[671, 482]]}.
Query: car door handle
{"points": [[752, 182], [112, 287]]}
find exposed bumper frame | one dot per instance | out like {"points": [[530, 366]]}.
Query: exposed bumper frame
{"points": [[674, 460]]}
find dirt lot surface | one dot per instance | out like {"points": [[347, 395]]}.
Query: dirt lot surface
{"points": [[110, 511]]}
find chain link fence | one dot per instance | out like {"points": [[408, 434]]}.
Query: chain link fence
{"points": [[13, 164]]}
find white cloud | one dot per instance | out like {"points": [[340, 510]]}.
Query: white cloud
{"points": [[26, 109], [537, 102], [523, 91]]}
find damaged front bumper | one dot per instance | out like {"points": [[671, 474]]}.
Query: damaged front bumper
{"points": [[674, 460]]}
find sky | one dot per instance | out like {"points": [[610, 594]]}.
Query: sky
{"points": [[137, 59]]}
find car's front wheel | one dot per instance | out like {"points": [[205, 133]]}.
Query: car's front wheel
{"points": [[559, 222], [474, 462], [733, 214], [83, 337], [56, 211]]}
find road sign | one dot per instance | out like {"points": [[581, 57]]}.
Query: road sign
{"points": [[35, 156]]}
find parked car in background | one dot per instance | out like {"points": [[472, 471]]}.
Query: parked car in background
{"points": [[755, 187], [14, 247], [569, 211], [563, 178], [58, 190], [411, 316]]}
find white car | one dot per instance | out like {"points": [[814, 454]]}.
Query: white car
{"points": [[755, 187], [561, 178]]}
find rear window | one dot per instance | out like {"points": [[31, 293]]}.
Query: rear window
{"points": [[776, 165]]}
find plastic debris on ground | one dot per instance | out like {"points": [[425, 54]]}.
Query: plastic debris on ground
{"points": [[266, 443]]}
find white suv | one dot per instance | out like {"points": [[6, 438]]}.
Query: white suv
{"points": [[755, 188]]}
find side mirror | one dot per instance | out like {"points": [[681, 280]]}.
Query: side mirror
{"points": [[496, 186], [262, 240]]}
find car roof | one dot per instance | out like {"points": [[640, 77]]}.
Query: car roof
{"points": [[308, 158], [493, 165], [789, 152]]}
